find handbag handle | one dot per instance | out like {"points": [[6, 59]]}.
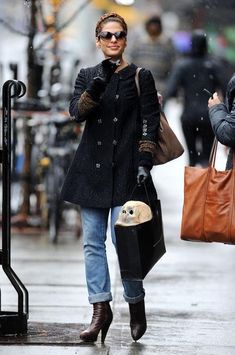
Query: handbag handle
{"points": [[147, 195], [137, 81], [213, 153], [212, 157]]}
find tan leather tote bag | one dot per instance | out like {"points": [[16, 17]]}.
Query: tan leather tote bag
{"points": [[209, 203]]}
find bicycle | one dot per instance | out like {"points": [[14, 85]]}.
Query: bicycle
{"points": [[54, 152]]}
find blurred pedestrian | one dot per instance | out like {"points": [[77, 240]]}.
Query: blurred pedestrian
{"points": [[113, 156], [222, 117], [154, 51], [189, 77]]}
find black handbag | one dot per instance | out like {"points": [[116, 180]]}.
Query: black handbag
{"points": [[139, 247]]}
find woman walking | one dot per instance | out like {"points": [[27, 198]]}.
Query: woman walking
{"points": [[114, 155]]}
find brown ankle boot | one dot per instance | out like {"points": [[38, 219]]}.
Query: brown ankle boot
{"points": [[101, 320], [138, 322]]}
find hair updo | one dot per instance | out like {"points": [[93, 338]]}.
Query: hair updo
{"points": [[110, 17]]}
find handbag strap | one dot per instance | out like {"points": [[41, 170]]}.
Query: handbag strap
{"points": [[213, 153], [146, 191], [137, 80], [212, 157]]}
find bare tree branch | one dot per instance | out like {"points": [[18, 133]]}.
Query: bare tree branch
{"points": [[40, 11], [65, 24], [7, 24]]}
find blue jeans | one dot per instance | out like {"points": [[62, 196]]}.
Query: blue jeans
{"points": [[95, 222]]}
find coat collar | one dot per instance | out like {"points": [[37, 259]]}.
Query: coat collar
{"points": [[127, 72]]}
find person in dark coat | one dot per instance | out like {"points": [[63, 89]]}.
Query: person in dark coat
{"points": [[222, 117], [114, 155], [189, 77]]}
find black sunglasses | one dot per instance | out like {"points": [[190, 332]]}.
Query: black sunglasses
{"points": [[106, 35]]}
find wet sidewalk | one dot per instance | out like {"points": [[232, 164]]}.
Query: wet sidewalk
{"points": [[189, 301], [190, 293]]}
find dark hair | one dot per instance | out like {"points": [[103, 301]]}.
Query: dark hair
{"points": [[154, 20], [109, 17], [199, 43]]}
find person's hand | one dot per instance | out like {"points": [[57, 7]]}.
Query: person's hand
{"points": [[215, 100], [108, 67], [96, 87], [98, 84], [142, 175]]}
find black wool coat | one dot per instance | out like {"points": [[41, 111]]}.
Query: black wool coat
{"points": [[104, 169]]}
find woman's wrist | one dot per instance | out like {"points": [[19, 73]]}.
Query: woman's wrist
{"points": [[146, 159]]}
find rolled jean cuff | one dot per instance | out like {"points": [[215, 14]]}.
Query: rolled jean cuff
{"points": [[134, 300], [100, 297]]}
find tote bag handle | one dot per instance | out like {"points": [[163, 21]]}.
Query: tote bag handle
{"points": [[146, 191], [213, 153], [212, 157]]}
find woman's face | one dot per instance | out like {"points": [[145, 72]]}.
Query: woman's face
{"points": [[112, 47]]}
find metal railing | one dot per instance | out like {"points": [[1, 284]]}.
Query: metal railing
{"points": [[10, 322]]}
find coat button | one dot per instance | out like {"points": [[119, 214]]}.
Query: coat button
{"points": [[115, 119], [97, 165], [114, 142], [117, 97], [100, 120], [99, 143]]}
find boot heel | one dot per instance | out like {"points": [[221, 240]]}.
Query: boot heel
{"points": [[104, 331]]}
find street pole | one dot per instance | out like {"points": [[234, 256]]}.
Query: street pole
{"points": [[31, 93]]}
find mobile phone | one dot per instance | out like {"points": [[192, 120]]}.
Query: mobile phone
{"points": [[208, 93]]}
